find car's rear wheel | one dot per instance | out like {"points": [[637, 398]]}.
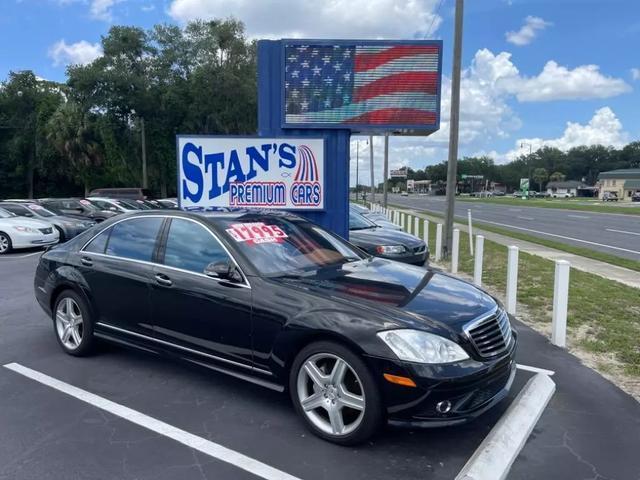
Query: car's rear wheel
{"points": [[334, 392], [73, 324], [5, 243]]}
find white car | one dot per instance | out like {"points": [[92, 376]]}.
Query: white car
{"points": [[20, 232], [118, 205]]}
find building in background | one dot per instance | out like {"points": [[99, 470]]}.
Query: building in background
{"points": [[624, 183]]}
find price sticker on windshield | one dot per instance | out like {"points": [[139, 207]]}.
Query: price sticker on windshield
{"points": [[255, 233]]}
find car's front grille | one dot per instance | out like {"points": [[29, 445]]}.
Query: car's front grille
{"points": [[46, 231], [490, 335], [419, 249]]}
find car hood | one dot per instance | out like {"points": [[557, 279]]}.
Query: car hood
{"points": [[25, 222], [383, 236], [401, 296]]}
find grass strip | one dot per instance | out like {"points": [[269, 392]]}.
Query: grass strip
{"points": [[555, 203]]}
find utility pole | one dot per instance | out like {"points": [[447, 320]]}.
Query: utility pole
{"points": [[386, 170], [145, 182], [357, 167], [373, 186], [454, 121]]}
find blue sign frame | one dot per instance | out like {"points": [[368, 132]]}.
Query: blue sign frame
{"points": [[407, 129]]}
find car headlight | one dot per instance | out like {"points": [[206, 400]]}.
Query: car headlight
{"points": [[21, 228], [422, 347], [390, 249]]}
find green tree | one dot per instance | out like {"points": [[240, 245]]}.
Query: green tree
{"points": [[557, 177], [540, 175], [70, 132]]}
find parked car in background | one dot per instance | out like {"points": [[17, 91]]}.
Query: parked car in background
{"points": [[635, 197], [609, 197], [22, 232], [67, 227], [356, 341], [376, 217], [134, 193], [77, 208], [168, 202], [113, 205], [381, 242]]}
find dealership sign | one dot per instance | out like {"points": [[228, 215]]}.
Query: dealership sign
{"points": [[285, 173]]}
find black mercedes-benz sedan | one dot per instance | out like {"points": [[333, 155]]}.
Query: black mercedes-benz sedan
{"points": [[382, 242], [274, 299]]}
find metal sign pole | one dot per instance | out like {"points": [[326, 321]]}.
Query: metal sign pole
{"points": [[454, 121], [386, 170], [373, 186]]}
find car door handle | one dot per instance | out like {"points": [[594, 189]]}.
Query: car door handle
{"points": [[162, 279], [86, 261]]}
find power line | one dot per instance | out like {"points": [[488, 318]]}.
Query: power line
{"points": [[433, 18]]}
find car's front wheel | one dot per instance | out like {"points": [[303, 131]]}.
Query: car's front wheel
{"points": [[5, 243], [334, 392], [73, 324]]}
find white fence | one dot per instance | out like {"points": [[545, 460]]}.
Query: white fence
{"points": [[411, 223]]}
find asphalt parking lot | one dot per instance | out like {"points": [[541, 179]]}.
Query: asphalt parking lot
{"points": [[590, 429]]}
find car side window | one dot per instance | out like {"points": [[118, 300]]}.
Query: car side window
{"points": [[98, 244], [17, 209], [192, 247], [135, 238]]}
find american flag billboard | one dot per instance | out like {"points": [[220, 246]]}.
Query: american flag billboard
{"points": [[362, 85]]}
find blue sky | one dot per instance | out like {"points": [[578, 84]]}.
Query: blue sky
{"points": [[543, 72]]}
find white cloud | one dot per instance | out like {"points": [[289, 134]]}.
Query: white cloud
{"points": [[528, 31], [313, 18], [81, 52], [604, 128], [635, 73], [102, 9], [557, 82]]}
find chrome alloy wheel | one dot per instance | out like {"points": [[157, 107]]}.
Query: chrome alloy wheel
{"points": [[331, 394], [69, 324], [4, 243]]}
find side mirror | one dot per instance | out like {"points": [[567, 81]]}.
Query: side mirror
{"points": [[224, 270]]}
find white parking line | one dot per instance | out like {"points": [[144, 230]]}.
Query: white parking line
{"points": [[578, 216], [622, 231], [493, 458], [197, 443], [534, 369], [22, 256], [560, 236]]}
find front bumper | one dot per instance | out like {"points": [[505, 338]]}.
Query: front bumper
{"points": [[31, 240], [471, 388]]}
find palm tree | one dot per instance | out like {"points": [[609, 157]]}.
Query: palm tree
{"points": [[70, 132]]}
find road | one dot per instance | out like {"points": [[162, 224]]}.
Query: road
{"points": [[614, 234], [590, 428]]}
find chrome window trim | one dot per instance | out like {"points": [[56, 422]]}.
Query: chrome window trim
{"points": [[246, 283], [180, 347]]}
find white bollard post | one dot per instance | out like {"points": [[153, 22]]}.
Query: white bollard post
{"points": [[512, 279], [455, 250], [438, 242], [416, 226], [425, 232], [560, 303], [477, 261], [470, 232]]}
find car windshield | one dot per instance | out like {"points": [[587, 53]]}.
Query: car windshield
{"points": [[5, 214], [359, 222], [129, 204], [40, 210], [287, 246]]}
